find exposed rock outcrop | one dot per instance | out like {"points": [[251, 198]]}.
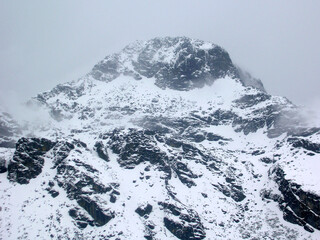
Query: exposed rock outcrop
{"points": [[299, 207], [28, 159]]}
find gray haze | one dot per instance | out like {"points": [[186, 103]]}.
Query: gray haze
{"points": [[44, 43]]}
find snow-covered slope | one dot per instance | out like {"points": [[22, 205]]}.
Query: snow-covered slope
{"points": [[166, 139]]}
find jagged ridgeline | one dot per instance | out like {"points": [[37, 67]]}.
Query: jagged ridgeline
{"points": [[166, 139], [177, 63]]}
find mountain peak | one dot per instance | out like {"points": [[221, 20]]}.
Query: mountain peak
{"points": [[179, 63], [162, 140]]}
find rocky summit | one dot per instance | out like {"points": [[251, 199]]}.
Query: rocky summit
{"points": [[166, 139]]}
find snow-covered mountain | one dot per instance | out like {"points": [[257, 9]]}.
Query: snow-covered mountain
{"points": [[167, 139]]}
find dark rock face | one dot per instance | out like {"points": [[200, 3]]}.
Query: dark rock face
{"points": [[257, 152], [214, 137], [110, 67], [28, 159], [144, 210], [100, 216], [3, 167], [232, 190], [267, 116], [80, 183], [192, 67], [62, 150], [185, 175], [174, 143], [267, 160], [78, 178], [222, 117], [249, 125], [275, 117], [251, 100], [298, 206], [101, 150], [71, 179], [74, 176], [163, 125], [188, 225], [303, 143], [54, 193], [81, 220], [135, 147]]}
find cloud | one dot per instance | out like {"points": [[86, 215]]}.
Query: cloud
{"points": [[312, 112], [30, 117]]}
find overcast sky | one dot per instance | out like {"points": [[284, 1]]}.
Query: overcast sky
{"points": [[43, 43]]}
